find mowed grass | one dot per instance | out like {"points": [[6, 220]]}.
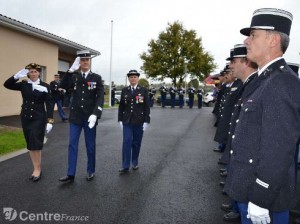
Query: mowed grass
{"points": [[11, 139]]}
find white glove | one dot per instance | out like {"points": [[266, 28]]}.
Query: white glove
{"points": [[39, 88], [145, 126], [92, 121], [48, 127], [22, 73], [257, 214], [75, 65], [121, 124]]}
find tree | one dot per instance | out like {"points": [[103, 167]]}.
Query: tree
{"points": [[144, 82], [176, 53]]}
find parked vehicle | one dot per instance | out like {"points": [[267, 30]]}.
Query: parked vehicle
{"points": [[118, 96], [208, 98]]}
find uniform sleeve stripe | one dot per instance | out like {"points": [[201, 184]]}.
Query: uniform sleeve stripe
{"points": [[263, 184]]}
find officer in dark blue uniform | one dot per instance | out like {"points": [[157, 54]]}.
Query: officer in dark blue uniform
{"points": [[191, 92], [113, 93], [134, 118], [152, 92], [57, 95], [85, 110], [172, 92], [181, 92], [199, 96], [262, 168], [163, 93], [244, 70]]}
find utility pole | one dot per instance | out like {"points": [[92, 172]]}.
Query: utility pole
{"points": [[110, 66]]}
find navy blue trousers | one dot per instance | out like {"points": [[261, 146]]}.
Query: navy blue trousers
{"points": [[151, 101], [132, 140], [61, 112], [172, 101], [199, 102], [163, 100], [191, 102], [181, 102], [276, 217], [90, 143]]}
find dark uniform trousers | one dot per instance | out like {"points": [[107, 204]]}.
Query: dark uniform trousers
{"points": [[181, 93], [191, 92], [262, 167], [88, 98], [133, 111], [199, 95], [57, 99], [172, 91]]}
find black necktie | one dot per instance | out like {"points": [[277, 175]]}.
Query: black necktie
{"points": [[132, 90], [83, 75]]}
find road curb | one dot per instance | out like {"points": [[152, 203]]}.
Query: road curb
{"points": [[12, 154]]}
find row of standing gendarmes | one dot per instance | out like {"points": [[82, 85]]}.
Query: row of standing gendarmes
{"points": [[257, 114], [172, 91], [85, 110]]}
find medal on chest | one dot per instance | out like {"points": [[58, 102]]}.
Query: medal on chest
{"points": [[139, 98], [91, 85]]}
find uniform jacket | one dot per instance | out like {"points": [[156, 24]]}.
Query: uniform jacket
{"points": [[88, 95], [181, 92], [163, 90], [234, 118], [230, 100], [134, 107], [191, 91], [152, 92], [34, 102], [262, 167], [218, 99], [56, 94], [172, 91]]}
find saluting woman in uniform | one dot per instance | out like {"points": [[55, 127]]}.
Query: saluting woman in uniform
{"points": [[36, 113]]}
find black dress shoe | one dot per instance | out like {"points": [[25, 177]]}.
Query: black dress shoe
{"points": [[36, 179], [223, 170], [123, 170], [67, 179], [224, 192], [221, 162], [297, 221], [31, 177], [222, 183], [217, 150], [224, 174], [135, 167], [232, 217], [295, 213], [226, 207], [90, 177]]}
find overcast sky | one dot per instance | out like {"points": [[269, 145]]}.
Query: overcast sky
{"points": [[136, 22]]}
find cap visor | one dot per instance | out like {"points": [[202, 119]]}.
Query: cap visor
{"points": [[246, 31]]}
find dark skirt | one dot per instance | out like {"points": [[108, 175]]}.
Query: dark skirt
{"points": [[34, 132]]}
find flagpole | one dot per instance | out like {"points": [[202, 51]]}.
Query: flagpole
{"points": [[110, 66]]}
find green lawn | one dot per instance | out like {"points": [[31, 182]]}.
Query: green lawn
{"points": [[11, 139]]}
